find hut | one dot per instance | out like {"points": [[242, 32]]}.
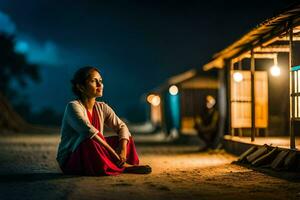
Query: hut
{"points": [[259, 76], [174, 104]]}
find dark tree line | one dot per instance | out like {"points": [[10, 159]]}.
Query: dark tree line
{"points": [[14, 67]]}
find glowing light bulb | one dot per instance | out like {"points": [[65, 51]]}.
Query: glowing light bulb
{"points": [[237, 77], [275, 71], [150, 97], [155, 100], [173, 90]]}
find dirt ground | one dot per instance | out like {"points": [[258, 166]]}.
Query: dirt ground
{"points": [[28, 170]]}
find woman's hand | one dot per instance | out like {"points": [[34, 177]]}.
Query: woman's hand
{"points": [[117, 158], [122, 155], [123, 150]]}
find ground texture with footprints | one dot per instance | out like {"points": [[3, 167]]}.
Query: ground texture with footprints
{"points": [[28, 170]]}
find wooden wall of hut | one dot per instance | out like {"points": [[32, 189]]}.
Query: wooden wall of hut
{"points": [[296, 62], [278, 97]]}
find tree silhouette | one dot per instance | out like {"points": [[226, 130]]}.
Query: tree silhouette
{"points": [[14, 66]]}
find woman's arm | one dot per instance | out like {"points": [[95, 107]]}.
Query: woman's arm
{"points": [[123, 150], [114, 122], [75, 117]]}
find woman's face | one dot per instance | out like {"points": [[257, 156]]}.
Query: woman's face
{"points": [[93, 85]]}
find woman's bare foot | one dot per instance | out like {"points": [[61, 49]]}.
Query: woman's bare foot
{"points": [[127, 165]]}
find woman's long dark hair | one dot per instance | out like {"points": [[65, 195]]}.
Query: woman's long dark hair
{"points": [[80, 77]]}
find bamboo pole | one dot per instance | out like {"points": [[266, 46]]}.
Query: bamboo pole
{"points": [[231, 68], [292, 90], [252, 96]]}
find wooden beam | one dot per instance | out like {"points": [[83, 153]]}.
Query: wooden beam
{"points": [[182, 77], [280, 38], [255, 55], [217, 63], [273, 49]]}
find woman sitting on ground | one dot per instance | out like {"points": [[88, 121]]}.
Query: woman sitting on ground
{"points": [[83, 149]]}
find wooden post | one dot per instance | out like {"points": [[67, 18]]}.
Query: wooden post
{"points": [[292, 90], [240, 66], [252, 97], [229, 95]]}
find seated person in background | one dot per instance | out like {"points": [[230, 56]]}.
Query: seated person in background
{"points": [[207, 123]]}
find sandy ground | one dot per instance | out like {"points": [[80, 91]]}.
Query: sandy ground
{"points": [[28, 171]]}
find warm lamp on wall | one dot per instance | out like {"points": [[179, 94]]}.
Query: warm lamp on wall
{"points": [[275, 69], [237, 76]]}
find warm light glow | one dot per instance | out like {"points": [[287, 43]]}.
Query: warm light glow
{"points": [[155, 100], [150, 97], [275, 71], [173, 90], [237, 77]]}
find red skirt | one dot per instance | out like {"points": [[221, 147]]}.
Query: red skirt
{"points": [[92, 159]]}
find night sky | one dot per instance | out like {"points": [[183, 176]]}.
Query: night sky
{"points": [[136, 45]]}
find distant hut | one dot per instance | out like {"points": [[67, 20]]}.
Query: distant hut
{"points": [[174, 104]]}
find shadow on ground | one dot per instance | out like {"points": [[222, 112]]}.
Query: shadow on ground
{"points": [[30, 177], [286, 175]]}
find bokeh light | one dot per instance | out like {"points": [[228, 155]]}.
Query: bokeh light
{"points": [[173, 90]]}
